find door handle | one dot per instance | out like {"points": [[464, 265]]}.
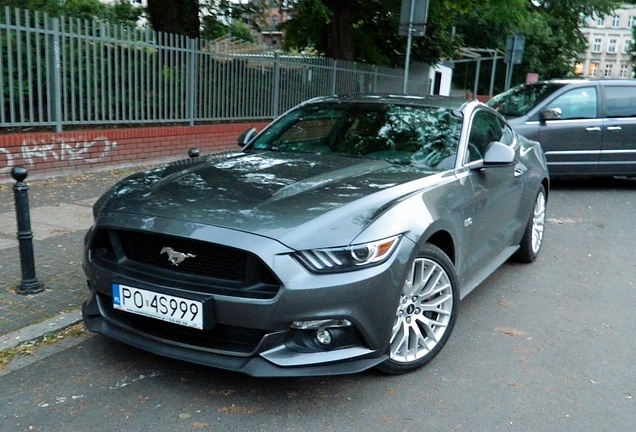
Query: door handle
{"points": [[518, 172], [614, 128], [593, 129]]}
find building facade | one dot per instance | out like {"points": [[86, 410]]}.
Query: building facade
{"points": [[277, 13], [609, 41]]}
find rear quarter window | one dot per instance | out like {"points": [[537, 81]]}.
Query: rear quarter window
{"points": [[620, 101]]}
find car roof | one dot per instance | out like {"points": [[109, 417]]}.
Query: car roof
{"points": [[385, 98], [576, 81]]}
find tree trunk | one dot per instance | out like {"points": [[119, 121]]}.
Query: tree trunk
{"points": [[175, 16], [339, 42]]}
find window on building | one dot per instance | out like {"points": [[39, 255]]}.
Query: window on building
{"points": [[624, 70], [616, 21], [593, 69], [627, 44], [596, 47], [611, 46], [608, 70], [631, 21], [272, 3], [578, 68], [275, 21]]}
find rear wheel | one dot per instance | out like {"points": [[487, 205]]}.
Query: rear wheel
{"points": [[426, 312], [533, 234]]}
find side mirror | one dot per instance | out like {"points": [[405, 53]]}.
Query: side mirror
{"points": [[246, 137], [499, 153], [551, 114]]}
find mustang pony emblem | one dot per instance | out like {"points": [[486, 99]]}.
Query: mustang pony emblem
{"points": [[174, 256]]}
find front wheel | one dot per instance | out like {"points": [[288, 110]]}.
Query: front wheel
{"points": [[426, 312], [533, 234]]}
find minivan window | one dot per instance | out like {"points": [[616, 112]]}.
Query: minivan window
{"points": [[521, 100], [620, 101], [579, 103]]}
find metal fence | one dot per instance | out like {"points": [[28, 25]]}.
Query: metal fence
{"points": [[59, 72]]}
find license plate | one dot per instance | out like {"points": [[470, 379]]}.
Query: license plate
{"points": [[164, 307]]}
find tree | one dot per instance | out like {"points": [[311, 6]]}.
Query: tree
{"points": [[209, 19], [175, 16], [222, 17], [367, 30], [119, 13]]}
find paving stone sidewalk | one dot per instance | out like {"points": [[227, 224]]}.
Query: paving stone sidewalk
{"points": [[60, 211]]}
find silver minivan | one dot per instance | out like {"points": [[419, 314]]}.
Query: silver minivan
{"points": [[586, 127]]}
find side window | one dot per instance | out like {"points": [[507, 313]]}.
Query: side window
{"points": [[486, 128], [620, 101], [580, 103]]}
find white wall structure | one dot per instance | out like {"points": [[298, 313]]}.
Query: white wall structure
{"points": [[440, 77], [609, 39]]}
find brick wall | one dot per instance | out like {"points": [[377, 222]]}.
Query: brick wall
{"points": [[48, 153]]}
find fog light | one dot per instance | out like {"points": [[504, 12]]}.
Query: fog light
{"points": [[323, 337]]}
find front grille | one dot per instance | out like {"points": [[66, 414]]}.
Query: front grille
{"points": [[208, 267], [208, 260]]}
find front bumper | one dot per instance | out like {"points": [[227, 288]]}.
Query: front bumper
{"points": [[257, 366], [254, 336]]}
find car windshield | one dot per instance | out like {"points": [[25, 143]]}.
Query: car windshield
{"points": [[519, 101], [410, 135]]}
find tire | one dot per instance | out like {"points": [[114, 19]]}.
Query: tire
{"points": [[426, 313], [533, 234]]}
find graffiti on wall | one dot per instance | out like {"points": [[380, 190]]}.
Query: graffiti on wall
{"points": [[57, 149]]}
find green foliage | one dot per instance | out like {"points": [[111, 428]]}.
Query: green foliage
{"points": [[213, 26], [367, 30], [119, 13], [179, 17], [218, 17], [553, 38], [240, 30]]}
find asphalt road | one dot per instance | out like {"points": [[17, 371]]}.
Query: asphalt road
{"points": [[542, 347]]}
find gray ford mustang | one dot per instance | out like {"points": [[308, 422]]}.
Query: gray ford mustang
{"points": [[339, 238]]}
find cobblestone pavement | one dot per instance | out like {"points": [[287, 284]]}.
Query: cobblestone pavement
{"points": [[60, 213]]}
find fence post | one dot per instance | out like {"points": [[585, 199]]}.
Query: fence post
{"points": [[55, 79], [276, 90], [375, 80], [192, 79], [334, 64]]}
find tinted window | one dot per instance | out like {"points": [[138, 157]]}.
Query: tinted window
{"points": [[520, 100], [423, 136], [579, 103], [620, 101], [485, 129]]}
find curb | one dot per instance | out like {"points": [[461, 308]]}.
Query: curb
{"points": [[35, 331]]}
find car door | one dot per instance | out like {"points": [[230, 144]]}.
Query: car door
{"points": [[618, 154], [572, 143], [497, 192]]}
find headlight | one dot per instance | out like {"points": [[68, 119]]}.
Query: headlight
{"points": [[348, 258]]}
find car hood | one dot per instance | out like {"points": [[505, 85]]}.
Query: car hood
{"points": [[278, 195]]}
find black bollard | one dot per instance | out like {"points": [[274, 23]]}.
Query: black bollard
{"points": [[193, 153], [29, 284]]}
